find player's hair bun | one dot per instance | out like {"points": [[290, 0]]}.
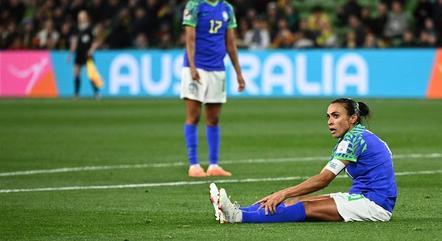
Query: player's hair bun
{"points": [[364, 111]]}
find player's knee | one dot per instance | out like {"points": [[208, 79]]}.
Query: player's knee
{"points": [[291, 201], [324, 210], [193, 119], [212, 121]]}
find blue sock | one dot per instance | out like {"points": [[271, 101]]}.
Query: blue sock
{"points": [[294, 213], [191, 136], [251, 208], [213, 140]]}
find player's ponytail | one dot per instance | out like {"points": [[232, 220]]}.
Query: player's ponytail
{"points": [[364, 111]]}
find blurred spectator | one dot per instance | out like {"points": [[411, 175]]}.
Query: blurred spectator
{"points": [[16, 10], [165, 12], [304, 37], [120, 23], [251, 16], [112, 8], [389, 3], [242, 7], [140, 23], [397, 21], [77, 5], [152, 8], [350, 7], [429, 27], [164, 37], [303, 26], [30, 9], [292, 16], [350, 40], [284, 37], [428, 35], [367, 20], [426, 40], [437, 18], [243, 27], [141, 41], [327, 37], [8, 34], [370, 41], [28, 41], [380, 20], [272, 18], [258, 37], [48, 36], [317, 19], [120, 34], [408, 40], [302, 41], [358, 29], [65, 34], [95, 10], [423, 10]]}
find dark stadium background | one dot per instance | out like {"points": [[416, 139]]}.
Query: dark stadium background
{"points": [[48, 24]]}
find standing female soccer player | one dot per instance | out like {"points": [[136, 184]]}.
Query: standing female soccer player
{"points": [[366, 159], [209, 31], [83, 44]]}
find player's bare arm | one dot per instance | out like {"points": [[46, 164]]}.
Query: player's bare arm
{"points": [[233, 54], [94, 47], [190, 49], [312, 184]]}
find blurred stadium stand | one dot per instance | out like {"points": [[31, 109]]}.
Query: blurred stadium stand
{"points": [[140, 24]]}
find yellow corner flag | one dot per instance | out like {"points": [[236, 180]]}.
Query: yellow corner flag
{"points": [[93, 73]]}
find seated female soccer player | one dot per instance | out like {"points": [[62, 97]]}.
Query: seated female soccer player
{"points": [[367, 161]]}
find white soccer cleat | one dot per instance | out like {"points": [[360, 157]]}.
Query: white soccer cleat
{"points": [[214, 199], [231, 212]]}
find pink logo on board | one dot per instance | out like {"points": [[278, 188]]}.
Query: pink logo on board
{"points": [[26, 74]]}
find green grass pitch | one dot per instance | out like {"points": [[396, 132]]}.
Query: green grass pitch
{"points": [[140, 141]]}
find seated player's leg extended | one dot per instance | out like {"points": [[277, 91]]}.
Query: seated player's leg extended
{"points": [[311, 208]]}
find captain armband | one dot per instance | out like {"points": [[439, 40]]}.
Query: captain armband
{"points": [[335, 166]]}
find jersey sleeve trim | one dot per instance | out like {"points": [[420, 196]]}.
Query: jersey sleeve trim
{"points": [[232, 19], [187, 23], [190, 14], [350, 159]]}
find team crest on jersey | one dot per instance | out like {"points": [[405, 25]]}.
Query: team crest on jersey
{"points": [[225, 16], [187, 15], [193, 88], [342, 147]]}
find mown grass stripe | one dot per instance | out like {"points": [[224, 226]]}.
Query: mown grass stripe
{"points": [[184, 183], [174, 164]]}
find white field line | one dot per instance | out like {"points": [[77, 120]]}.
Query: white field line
{"points": [[183, 163], [188, 183]]}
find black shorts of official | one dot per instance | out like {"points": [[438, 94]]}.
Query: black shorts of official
{"points": [[80, 59]]}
